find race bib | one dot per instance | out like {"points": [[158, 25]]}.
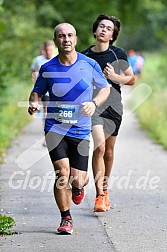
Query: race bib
{"points": [[67, 113]]}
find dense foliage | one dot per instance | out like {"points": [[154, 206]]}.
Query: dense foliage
{"points": [[24, 25], [152, 113], [6, 223]]}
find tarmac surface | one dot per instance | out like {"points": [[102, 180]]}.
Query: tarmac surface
{"points": [[137, 220]]}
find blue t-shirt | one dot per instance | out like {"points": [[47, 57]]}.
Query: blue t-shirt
{"points": [[133, 61], [69, 87]]}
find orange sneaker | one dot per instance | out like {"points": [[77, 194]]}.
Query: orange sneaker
{"points": [[107, 200], [100, 204]]}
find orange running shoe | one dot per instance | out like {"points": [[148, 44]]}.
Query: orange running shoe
{"points": [[100, 204], [107, 200]]}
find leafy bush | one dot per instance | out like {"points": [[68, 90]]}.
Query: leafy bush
{"points": [[12, 117], [152, 113], [6, 223]]}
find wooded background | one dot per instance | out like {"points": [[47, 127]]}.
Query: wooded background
{"points": [[26, 24]]}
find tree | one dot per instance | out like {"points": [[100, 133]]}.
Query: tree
{"points": [[24, 25]]}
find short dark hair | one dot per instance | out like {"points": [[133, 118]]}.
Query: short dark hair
{"points": [[116, 22]]}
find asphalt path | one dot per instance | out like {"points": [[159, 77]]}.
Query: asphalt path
{"points": [[137, 220]]}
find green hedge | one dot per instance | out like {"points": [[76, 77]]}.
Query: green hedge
{"points": [[12, 117], [152, 114]]}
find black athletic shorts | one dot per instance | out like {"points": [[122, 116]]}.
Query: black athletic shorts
{"points": [[76, 150], [109, 118]]}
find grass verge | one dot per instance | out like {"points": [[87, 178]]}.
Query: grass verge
{"points": [[152, 114], [12, 117]]}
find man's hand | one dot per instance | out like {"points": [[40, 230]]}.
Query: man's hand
{"points": [[109, 72], [33, 107], [88, 108]]}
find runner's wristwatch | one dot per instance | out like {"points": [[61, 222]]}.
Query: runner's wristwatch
{"points": [[95, 103]]}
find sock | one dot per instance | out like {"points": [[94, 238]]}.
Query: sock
{"points": [[66, 213]]}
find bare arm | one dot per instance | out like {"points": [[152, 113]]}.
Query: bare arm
{"points": [[34, 75], [127, 78], [90, 107], [34, 102], [102, 95]]}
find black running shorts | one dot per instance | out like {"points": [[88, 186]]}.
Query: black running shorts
{"points": [[109, 118], [76, 150]]}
